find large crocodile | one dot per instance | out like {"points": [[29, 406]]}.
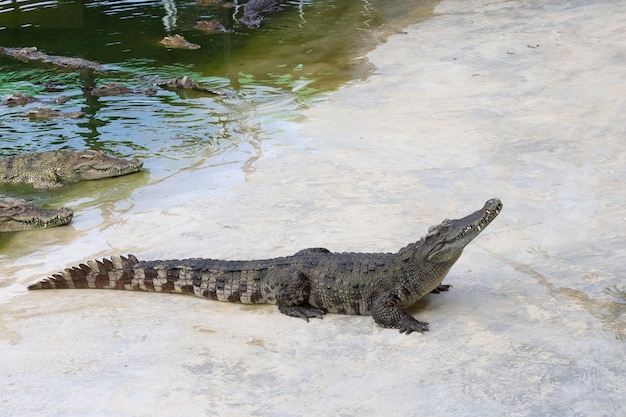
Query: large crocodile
{"points": [[17, 215], [52, 169], [308, 284]]}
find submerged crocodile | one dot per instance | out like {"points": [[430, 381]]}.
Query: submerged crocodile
{"points": [[179, 83], [185, 83], [18, 215], [212, 26], [52, 169], [115, 89], [221, 3], [45, 113], [21, 99], [110, 88], [32, 54], [310, 283], [254, 10], [179, 42]]}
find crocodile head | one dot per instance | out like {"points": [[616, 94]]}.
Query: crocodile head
{"points": [[445, 242], [17, 215], [93, 165]]}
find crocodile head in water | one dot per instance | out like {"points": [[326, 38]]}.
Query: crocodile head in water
{"points": [[93, 165], [253, 11], [445, 242], [17, 215], [52, 169]]}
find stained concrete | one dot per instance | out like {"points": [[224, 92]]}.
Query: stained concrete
{"points": [[519, 100]]}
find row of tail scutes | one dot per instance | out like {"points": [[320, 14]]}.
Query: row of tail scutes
{"points": [[94, 274]]}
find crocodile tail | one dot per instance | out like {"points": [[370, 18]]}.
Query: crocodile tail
{"points": [[115, 273]]}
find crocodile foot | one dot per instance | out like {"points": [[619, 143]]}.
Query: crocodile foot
{"points": [[441, 287], [303, 311], [409, 324]]}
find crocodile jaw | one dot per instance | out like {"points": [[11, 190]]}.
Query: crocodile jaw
{"points": [[447, 240]]}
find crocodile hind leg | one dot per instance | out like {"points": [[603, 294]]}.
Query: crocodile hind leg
{"points": [[441, 287], [292, 295], [386, 313]]}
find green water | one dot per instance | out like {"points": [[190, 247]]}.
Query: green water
{"points": [[269, 74], [309, 48]]}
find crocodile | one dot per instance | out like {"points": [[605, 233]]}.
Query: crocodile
{"points": [[212, 26], [52, 169], [178, 41], [308, 284], [21, 99], [115, 89], [185, 83], [18, 215], [254, 9], [31, 53], [179, 83], [221, 3], [110, 88], [45, 113]]}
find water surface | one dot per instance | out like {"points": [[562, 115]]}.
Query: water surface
{"points": [[268, 75], [307, 49]]}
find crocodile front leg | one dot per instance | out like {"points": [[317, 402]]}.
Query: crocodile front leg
{"points": [[386, 313], [293, 294]]}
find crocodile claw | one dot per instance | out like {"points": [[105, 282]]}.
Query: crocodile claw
{"points": [[441, 287], [303, 311], [409, 325]]}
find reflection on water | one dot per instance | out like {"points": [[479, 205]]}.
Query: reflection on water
{"points": [[306, 49], [46, 13], [299, 53], [269, 74]]}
